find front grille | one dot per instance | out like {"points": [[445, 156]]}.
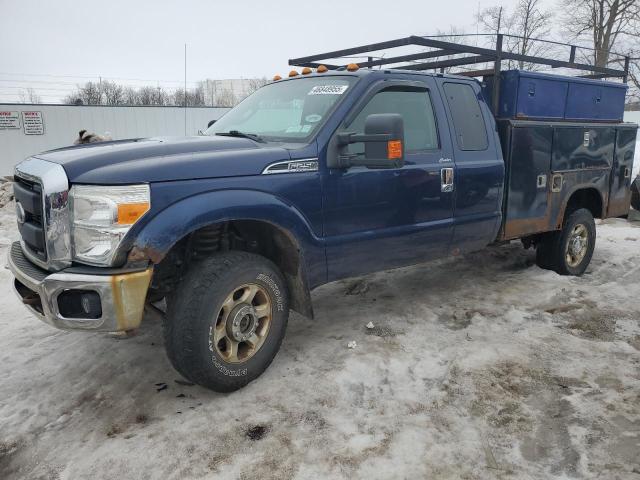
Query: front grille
{"points": [[29, 195]]}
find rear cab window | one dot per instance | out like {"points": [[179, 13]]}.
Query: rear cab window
{"points": [[470, 129]]}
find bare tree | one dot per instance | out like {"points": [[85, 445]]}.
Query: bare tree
{"points": [[72, 99], [113, 94], [147, 96], [193, 98], [226, 98], [254, 84], [495, 20], [29, 96], [605, 22], [178, 97], [522, 26], [634, 75], [161, 97], [130, 96], [453, 35], [90, 93], [530, 22]]}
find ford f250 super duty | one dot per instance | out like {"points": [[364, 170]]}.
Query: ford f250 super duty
{"points": [[327, 174]]}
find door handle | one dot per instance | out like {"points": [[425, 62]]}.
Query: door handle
{"points": [[446, 180], [556, 182]]}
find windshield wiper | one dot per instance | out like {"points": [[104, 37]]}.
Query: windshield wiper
{"points": [[236, 133]]}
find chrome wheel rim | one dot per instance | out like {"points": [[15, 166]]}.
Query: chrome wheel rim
{"points": [[577, 245], [242, 323]]}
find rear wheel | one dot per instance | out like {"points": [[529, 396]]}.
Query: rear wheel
{"points": [[569, 251], [227, 320], [635, 194]]}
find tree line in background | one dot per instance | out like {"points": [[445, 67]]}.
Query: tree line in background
{"points": [[607, 27], [206, 93]]}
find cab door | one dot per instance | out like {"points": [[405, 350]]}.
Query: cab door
{"points": [[376, 219], [479, 166]]}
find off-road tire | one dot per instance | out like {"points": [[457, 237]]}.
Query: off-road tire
{"points": [[635, 194], [193, 313], [551, 252], [544, 256]]}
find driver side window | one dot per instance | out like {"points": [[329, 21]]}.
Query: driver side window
{"points": [[414, 104]]}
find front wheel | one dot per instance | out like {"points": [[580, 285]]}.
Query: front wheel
{"points": [[569, 251], [227, 320]]}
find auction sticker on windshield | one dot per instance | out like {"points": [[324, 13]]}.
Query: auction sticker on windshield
{"points": [[328, 89], [313, 118]]}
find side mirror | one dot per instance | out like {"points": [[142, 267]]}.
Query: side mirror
{"points": [[383, 140]]}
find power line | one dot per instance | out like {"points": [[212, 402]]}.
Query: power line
{"points": [[53, 82], [73, 89], [95, 77]]}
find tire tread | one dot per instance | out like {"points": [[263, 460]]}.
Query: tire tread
{"points": [[184, 312]]}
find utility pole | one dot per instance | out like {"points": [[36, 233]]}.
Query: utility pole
{"points": [[478, 24], [185, 89]]}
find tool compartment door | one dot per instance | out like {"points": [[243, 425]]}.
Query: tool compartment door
{"points": [[620, 190], [529, 180]]}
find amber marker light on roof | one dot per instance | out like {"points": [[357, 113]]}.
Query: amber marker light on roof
{"points": [[352, 67], [293, 73], [306, 71], [276, 78], [322, 69]]}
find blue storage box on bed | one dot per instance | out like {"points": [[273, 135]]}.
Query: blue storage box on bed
{"points": [[539, 96]]}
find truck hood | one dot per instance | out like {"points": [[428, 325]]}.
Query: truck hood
{"points": [[164, 158]]}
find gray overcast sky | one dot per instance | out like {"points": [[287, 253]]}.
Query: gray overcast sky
{"points": [[226, 39]]}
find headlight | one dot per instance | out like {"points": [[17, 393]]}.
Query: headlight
{"points": [[100, 218]]}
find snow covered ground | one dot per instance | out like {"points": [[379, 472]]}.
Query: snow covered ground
{"points": [[477, 367]]}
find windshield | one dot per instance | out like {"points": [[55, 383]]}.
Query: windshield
{"points": [[288, 111]]}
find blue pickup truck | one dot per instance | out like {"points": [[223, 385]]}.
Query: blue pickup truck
{"points": [[327, 174]]}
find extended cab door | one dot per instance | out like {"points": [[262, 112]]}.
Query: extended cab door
{"points": [[479, 166], [376, 219]]}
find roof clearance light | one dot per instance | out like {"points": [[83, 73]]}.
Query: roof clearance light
{"points": [[306, 71], [276, 78], [322, 69], [353, 67], [293, 73]]}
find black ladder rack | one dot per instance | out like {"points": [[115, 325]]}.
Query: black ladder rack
{"points": [[472, 55]]}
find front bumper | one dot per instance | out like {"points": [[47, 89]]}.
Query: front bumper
{"points": [[122, 295]]}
